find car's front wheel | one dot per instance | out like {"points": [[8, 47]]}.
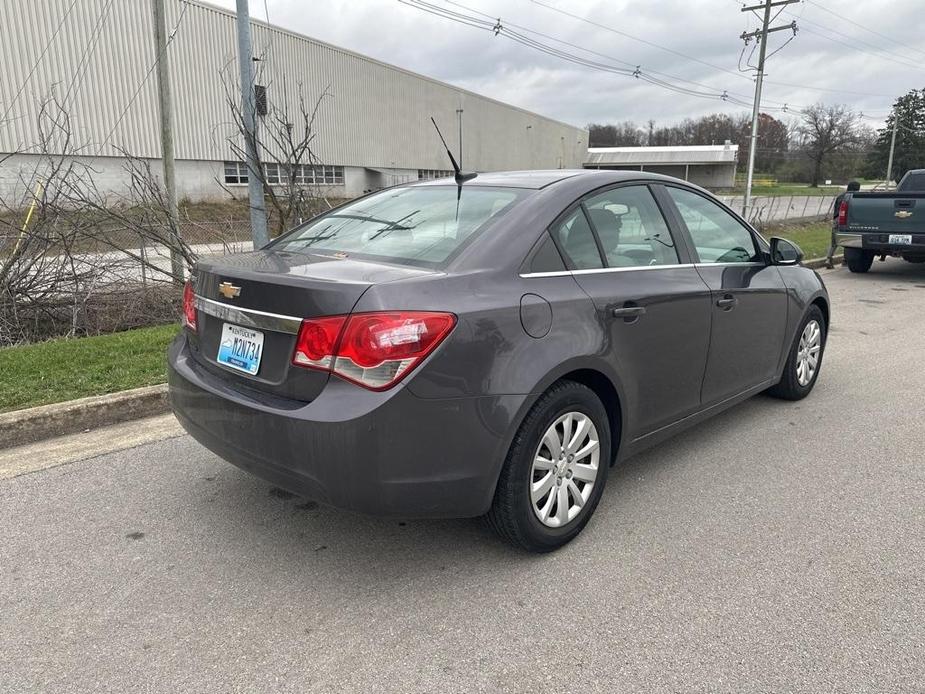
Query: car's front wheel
{"points": [[805, 358], [555, 471]]}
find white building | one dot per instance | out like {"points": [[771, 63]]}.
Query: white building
{"points": [[710, 166], [96, 57]]}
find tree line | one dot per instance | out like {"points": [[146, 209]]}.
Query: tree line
{"points": [[826, 141]]}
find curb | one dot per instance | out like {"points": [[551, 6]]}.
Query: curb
{"points": [[817, 263], [21, 427]]}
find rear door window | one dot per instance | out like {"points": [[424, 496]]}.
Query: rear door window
{"points": [[718, 236], [418, 225], [576, 239], [631, 228]]}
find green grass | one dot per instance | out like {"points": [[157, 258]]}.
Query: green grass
{"points": [[787, 189], [60, 370], [813, 237]]}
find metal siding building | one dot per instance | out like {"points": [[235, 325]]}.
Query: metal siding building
{"points": [[97, 58], [711, 166]]}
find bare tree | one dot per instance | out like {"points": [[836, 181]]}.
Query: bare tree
{"points": [[827, 129], [75, 259], [289, 168]]}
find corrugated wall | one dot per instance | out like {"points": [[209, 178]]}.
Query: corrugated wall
{"points": [[99, 67]]}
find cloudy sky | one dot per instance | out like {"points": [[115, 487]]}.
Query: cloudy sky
{"points": [[857, 53]]}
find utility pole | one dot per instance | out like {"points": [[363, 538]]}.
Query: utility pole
{"points": [[889, 166], [761, 35], [249, 115], [165, 109]]}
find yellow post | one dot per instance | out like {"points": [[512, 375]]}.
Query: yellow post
{"points": [[25, 224]]}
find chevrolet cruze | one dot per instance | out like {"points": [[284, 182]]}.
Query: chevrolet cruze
{"points": [[493, 347]]}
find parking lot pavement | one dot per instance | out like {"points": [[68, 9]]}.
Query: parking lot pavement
{"points": [[780, 547]]}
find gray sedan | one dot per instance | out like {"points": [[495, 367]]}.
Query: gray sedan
{"points": [[490, 348]]}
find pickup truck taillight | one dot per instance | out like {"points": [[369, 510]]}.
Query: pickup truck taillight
{"points": [[374, 350], [843, 213]]}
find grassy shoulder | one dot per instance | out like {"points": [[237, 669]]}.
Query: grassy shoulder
{"points": [[812, 237], [59, 370], [788, 189]]}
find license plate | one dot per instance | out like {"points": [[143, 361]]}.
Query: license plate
{"points": [[901, 239], [240, 348]]}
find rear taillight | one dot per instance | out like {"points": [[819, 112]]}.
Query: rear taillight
{"points": [[317, 341], [843, 213], [374, 350], [189, 305]]}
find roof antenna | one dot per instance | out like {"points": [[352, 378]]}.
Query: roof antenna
{"points": [[458, 175], [457, 172]]}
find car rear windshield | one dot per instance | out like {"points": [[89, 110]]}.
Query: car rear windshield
{"points": [[418, 225]]}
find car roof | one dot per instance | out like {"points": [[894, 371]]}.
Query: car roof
{"points": [[541, 179]]}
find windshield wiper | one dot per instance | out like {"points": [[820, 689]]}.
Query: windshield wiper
{"points": [[395, 226]]}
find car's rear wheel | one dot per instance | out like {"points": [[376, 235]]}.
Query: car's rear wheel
{"points": [[805, 358], [555, 471], [858, 260]]}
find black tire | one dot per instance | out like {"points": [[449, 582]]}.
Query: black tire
{"points": [[858, 260], [789, 387], [512, 515]]}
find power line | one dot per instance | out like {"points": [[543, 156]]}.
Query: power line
{"points": [[486, 22], [852, 44], [692, 58], [842, 17], [500, 29], [636, 38], [84, 62], [144, 79], [593, 52], [38, 60]]}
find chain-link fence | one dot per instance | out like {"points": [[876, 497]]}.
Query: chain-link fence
{"points": [[781, 208]]}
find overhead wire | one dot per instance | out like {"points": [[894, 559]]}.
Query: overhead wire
{"points": [[170, 37], [38, 61], [891, 39], [484, 21], [83, 63]]}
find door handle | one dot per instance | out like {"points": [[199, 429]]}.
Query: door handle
{"points": [[727, 303], [629, 313]]}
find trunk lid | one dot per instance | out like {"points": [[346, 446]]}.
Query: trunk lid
{"points": [[271, 292]]}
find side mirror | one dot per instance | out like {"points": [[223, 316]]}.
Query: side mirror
{"points": [[784, 252]]}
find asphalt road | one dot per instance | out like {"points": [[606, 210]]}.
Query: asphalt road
{"points": [[781, 547]]}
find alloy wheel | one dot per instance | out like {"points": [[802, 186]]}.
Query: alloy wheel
{"points": [[808, 352], [565, 468]]}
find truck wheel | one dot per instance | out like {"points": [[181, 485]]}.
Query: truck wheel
{"points": [[859, 260], [804, 360]]}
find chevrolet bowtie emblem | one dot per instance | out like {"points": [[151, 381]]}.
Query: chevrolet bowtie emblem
{"points": [[903, 214], [228, 290]]}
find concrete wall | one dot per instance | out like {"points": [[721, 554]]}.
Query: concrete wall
{"points": [[196, 180], [375, 115]]}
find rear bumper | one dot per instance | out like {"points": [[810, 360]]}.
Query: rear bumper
{"points": [[879, 243], [388, 453]]}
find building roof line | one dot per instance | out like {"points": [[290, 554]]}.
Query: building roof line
{"points": [[346, 51]]}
